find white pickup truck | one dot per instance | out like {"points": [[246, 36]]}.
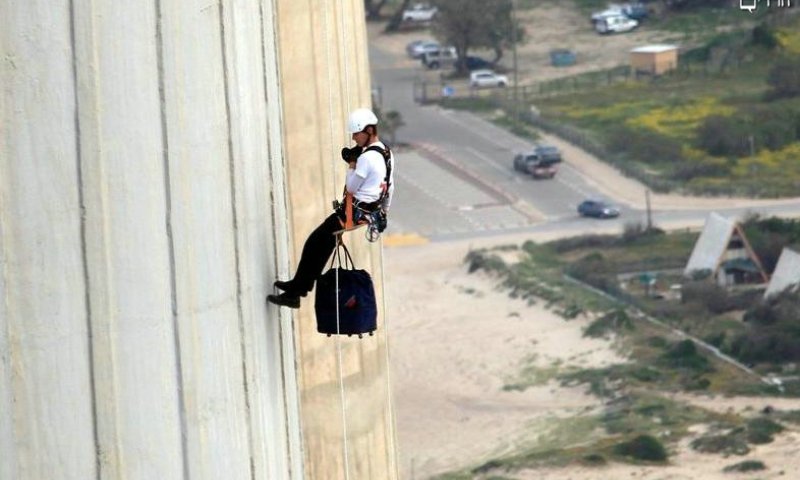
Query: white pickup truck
{"points": [[420, 12]]}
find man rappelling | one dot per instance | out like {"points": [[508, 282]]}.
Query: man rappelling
{"points": [[369, 186]]}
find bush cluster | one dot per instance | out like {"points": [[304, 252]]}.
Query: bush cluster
{"points": [[643, 447], [613, 321], [768, 236], [774, 336], [684, 355], [771, 126], [746, 466]]}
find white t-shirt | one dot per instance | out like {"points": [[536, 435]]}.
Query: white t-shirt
{"points": [[366, 180]]}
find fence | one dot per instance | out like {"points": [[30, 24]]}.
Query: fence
{"points": [[443, 89]]}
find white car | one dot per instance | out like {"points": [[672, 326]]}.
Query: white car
{"points": [[419, 48], [615, 24], [487, 78], [420, 12]]}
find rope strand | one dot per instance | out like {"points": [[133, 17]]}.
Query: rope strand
{"points": [[339, 360], [339, 343]]}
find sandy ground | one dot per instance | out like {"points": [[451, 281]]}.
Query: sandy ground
{"points": [[457, 339]]}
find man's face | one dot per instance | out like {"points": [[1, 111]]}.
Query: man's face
{"points": [[360, 138]]}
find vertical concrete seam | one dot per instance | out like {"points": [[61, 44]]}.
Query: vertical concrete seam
{"points": [[289, 382], [235, 224], [171, 240], [274, 211], [87, 296]]}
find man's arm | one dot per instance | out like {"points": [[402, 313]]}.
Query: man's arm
{"points": [[353, 180]]}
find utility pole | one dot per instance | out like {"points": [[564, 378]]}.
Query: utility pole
{"points": [[514, 55], [649, 211]]}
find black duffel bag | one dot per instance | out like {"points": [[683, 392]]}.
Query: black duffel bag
{"points": [[357, 309]]}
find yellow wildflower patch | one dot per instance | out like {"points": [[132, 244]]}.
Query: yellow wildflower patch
{"points": [[789, 40], [680, 121], [616, 111], [784, 162]]}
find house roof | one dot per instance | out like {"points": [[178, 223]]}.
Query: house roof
{"points": [[786, 274], [711, 244], [654, 49]]}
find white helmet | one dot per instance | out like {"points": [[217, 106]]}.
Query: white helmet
{"points": [[359, 119]]}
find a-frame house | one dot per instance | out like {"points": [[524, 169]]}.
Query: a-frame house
{"points": [[722, 250], [786, 274]]}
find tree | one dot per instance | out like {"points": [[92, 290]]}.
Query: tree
{"points": [[373, 8], [389, 122], [468, 24], [397, 17]]}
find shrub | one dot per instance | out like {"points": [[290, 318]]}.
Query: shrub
{"points": [[613, 321], [761, 430], [643, 447], [724, 135], [784, 78], [482, 260], [728, 444], [684, 355], [594, 459], [746, 466], [583, 241], [645, 374], [696, 383], [713, 297], [645, 145], [764, 36], [765, 347]]}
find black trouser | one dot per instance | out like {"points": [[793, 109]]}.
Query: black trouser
{"points": [[316, 251]]}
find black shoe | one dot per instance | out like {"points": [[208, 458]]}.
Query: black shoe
{"points": [[286, 286], [285, 300], [289, 287]]}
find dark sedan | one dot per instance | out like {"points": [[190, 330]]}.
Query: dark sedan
{"points": [[597, 209]]}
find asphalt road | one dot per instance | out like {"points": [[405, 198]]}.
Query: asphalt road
{"points": [[457, 179]]}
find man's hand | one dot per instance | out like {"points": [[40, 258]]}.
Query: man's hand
{"points": [[350, 155]]}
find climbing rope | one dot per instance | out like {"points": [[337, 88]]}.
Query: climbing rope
{"points": [[390, 420], [339, 361]]}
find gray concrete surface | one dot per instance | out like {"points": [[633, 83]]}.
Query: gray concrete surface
{"points": [[142, 217]]}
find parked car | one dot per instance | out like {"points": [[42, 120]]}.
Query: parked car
{"points": [[541, 162], [487, 78], [420, 12], [597, 209], [476, 63], [636, 11], [418, 48], [615, 24], [439, 58]]}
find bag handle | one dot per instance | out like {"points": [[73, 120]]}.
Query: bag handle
{"points": [[337, 256]]}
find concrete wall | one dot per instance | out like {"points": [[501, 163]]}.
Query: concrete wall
{"points": [[142, 220], [325, 76]]}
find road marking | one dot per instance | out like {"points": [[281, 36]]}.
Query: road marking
{"points": [[477, 132]]}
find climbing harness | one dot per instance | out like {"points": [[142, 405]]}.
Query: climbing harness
{"points": [[354, 214]]}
